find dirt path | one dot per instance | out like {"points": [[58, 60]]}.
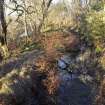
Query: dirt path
{"points": [[17, 63], [73, 92], [70, 92]]}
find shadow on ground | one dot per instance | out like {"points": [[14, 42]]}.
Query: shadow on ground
{"points": [[74, 92], [17, 63]]}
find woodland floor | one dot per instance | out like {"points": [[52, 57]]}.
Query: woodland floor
{"points": [[70, 92]]}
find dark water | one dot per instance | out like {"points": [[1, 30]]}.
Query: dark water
{"points": [[73, 92]]}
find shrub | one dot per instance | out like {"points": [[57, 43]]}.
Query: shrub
{"points": [[92, 28]]}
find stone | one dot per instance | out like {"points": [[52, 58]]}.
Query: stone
{"points": [[62, 65]]}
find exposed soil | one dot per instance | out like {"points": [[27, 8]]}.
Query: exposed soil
{"points": [[71, 91]]}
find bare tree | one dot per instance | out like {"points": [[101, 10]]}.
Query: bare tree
{"points": [[45, 7], [3, 35], [3, 23]]}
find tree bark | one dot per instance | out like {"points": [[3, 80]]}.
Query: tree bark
{"points": [[45, 8], [25, 23], [3, 34], [3, 23]]}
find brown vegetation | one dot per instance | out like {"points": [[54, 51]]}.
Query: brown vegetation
{"points": [[100, 99], [56, 29], [57, 41], [48, 67]]}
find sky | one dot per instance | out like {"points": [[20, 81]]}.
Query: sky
{"points": [[7, 1], [55, 1]]}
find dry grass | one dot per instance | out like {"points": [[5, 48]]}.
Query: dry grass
{"points": [[47, 63], [100, 99], [58, 40], [49, 68], [52, 82], [13, 86]]}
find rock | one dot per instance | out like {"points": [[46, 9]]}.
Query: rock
{"points": [[61, 64], [66, 58]]}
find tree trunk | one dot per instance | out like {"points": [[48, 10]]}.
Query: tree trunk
{"points": [[25, 23], [3, 35], [45, 8], [3, 23]]}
